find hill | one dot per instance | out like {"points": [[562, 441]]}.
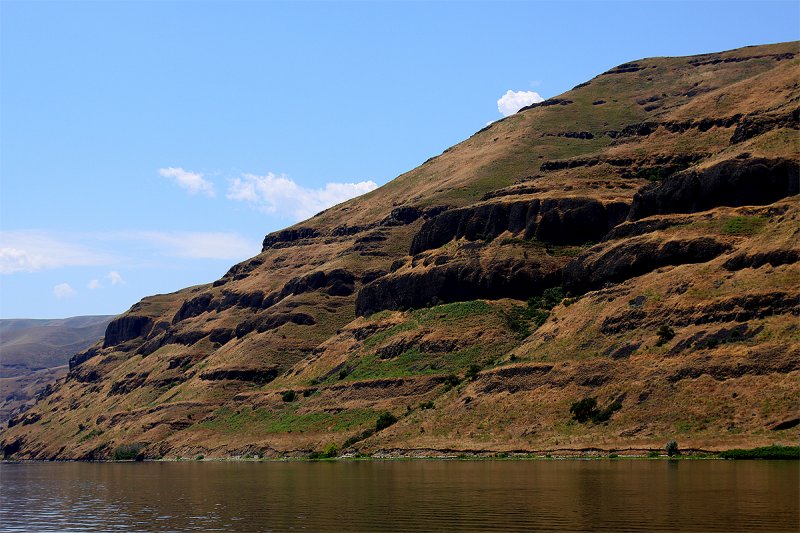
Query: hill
{"points": [[605, 270], [34, 354]]}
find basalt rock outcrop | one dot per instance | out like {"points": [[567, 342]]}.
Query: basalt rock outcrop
{"points": [[557, 221], [126, 328], [736, 182], [456, 281], [615, 262]]}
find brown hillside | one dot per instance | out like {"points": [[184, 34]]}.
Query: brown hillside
{"points": [[660, 197]]}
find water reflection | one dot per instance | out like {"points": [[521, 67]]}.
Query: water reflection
{"points": [[402, 496]]}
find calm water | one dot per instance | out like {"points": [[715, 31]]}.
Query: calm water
{"points": [[402, 496]]}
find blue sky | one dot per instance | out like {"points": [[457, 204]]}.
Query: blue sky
{"points": [[148, 146]]}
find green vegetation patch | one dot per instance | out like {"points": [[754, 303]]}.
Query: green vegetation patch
{"points": [[415, 362], [453, 311], [440, 314], [557, 250], [425, 357], [378, 338], [745, 225], [90, 435], [248, 420], [525, 320]]}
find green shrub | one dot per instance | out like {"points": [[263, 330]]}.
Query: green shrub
{"points": [[524, 320], [472, 372], [385, 420], [604, 414], [288, 396], [672, 449], [358, 437], [331, 450], [653, 455], [586, 409], [426, 405], [765, 452], [613, 456], [92, 434], [451, 381], [583, 410], [665, 334], [651, 173], [549, 299], [128, 452]]}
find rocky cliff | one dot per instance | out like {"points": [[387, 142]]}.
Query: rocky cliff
{"points": [[632, 243]]}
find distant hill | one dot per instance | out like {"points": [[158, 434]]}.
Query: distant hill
{"points": [[34, 354], [604, 271], [28, 344]]}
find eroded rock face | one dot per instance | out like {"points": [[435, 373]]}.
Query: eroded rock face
{"points": [[337, 282], [286, 237], [737, 182], [455, 282], [262, 323], [641, 227], [613, 263], [254, 375], [732, 309], [557, 221], [127, 327], [757, 260], [759, 123]]}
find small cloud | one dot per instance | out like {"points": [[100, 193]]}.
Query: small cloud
{"points": [[512, 101], [63, 290], [280, 195], [193, 182], [115, 278]]}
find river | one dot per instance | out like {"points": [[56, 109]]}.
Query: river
{"points": [[419, 495]]}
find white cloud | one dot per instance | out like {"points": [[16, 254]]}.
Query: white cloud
{"points": [[199, 245], [193, 182], [63, 290], [513, 101], [14, 260], [35, 250], [280, 195], [115, 278], [31, 251]]}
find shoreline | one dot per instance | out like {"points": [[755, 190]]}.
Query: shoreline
{"points": [[767, 453]]}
